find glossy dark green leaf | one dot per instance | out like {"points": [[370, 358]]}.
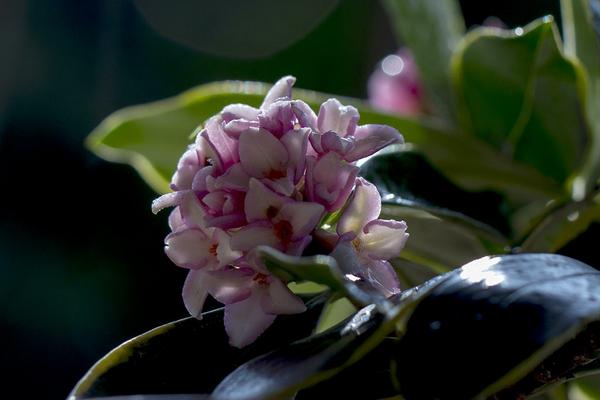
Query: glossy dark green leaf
{"points": [[503, 326], [339, 275], [281, 373], [432, 47], [563, 225], [519, 93], [407, 178], [186, 356], [582, 41]]}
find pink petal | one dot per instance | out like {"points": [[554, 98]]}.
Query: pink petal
{"points": [[189, 249], [363, 206], [230, 285], [166, 200], [296, 143], [192, 211], [195, 290], [333, 179], [189, 163], [372, 138], [304, 114], [223, 147], [262, 155], [278, 118], [253, 235], [199, 182], [261, 203], [296, 248], [278, 299], [245, 321], [235, 178], [239, 111], [225, 254], [381, 274], [235, 127], [331, 142], [282, 89], [383, 239], [176, 220], [333, 116], [225, 222], [302, 216]]}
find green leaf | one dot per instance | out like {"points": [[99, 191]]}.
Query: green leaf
{"points": [[582, 42], [431, 29], [519, 93], [282, 372], [166, 359], [325, 270], [496, 326], [152, 137], [406, 178], [563, 225]]}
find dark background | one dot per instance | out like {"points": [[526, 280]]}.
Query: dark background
{"points": [[81, 261]]}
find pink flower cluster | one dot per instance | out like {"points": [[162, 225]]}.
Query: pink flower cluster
{"points": [[268, 176]]}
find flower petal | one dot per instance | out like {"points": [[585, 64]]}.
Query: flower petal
{"points": [[166, 200], [261, 203], [239, 111], [195, 290], [282, 89], [333, 116], [224, 148], [364, 206], [192, 211], [189, 163], [246, 320], [296, 143], [383, 239], [304, 114], [262, 155], [381, 274], [278, 299], [302, 216], [278, 118], [372, 138], [189, 249], [230, 285], [253, 235], [235, 178], [176, 220], [333, 179]]}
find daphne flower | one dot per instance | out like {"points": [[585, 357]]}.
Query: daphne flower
{"points": [[395, 86], [369, 241], [267, 176]]}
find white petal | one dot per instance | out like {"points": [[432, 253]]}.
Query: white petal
{"points": [[363, 207], [280, 300], [261, 203], [189, 249], [261, 153], [246, 320], [302, 216], [282, 89], [383, 239], [195, 290], [254, 235]]}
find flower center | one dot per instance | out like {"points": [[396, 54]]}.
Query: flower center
{"points": [[357, 244], [213, 249], [261, 279], [272, 212], [283, 231], [275, 174]]}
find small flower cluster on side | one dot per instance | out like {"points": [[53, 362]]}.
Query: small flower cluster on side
{"points": [[268, 176]]}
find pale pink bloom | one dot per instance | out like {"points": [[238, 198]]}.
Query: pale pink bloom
{"points": [[276, 221], [252, 298], [395, 85], [369, 242]]}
